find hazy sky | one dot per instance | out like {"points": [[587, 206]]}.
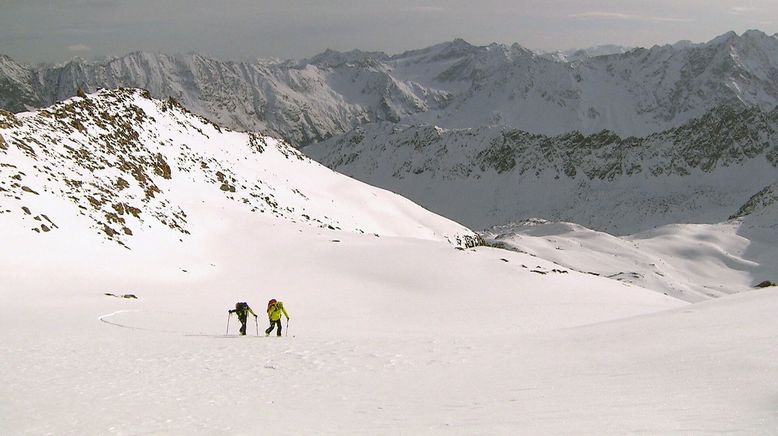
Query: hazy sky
{"points": [[55, 30]]}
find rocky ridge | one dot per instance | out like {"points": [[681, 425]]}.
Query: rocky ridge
{"points": [[125, 163]]}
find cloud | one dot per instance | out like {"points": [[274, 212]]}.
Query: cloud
{"points": [[79, 47], [425, 9], [741, 10], [618, 16]]}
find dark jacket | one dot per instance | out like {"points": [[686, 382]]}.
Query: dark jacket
{"points": [[243, 313]]}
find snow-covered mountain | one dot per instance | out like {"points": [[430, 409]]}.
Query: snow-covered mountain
{"points": [[578, 54], [133, 169], [692, 262], [301, 101], [16, 86], [701, 172], [453, 85]]}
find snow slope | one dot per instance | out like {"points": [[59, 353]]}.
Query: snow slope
{"points": [[126, 164], [692, 262], [377, 322], [390, 335]]}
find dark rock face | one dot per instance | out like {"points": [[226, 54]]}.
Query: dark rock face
{"points": [[700, 172]]}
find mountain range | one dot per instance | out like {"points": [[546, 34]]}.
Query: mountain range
{"points": [[452, 85], [700, 172]]}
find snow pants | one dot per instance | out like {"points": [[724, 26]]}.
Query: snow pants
{"points": [[273, 324], [242, 320]]}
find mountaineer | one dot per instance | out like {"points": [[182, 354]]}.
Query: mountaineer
{"points": [[242, 309], [274, 310]]}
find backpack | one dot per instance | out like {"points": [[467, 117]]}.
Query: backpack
{"points": [[270, 303], [240, 307]]}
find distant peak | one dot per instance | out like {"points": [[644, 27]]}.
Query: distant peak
{"points": [[77, 60], [333, 58], [578, 54], [754, 33], [460, 43], [684, 43], [751, 36], [445, 50], [457, 44], [724, 38]]}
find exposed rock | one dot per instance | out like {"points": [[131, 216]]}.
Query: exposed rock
{"points": [[28, 189], [128, 296]]}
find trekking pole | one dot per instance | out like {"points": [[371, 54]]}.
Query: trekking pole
{"points": [[287, 327], [257, 324], [228, 324]]}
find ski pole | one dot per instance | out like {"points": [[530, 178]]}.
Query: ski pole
{"points": [[287, 327], [257, 324], [228, 324]]}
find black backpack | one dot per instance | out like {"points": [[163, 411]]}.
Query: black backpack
{"points": [[240, 307]]}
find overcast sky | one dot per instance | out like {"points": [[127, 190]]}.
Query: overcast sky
{"points": [[34, 31]]}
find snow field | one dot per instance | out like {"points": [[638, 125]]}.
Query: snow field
{"points": [[693, 262], [388, 335]]}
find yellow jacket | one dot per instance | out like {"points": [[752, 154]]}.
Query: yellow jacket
{"points": [[275, 310]]}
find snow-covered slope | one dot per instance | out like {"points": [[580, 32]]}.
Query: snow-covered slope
{"points": [[701, 172], [350, 364], [454, 85], [134, 169], [390, 336], [761, 208], [16, 86], [378, 324], [692, 262]]}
